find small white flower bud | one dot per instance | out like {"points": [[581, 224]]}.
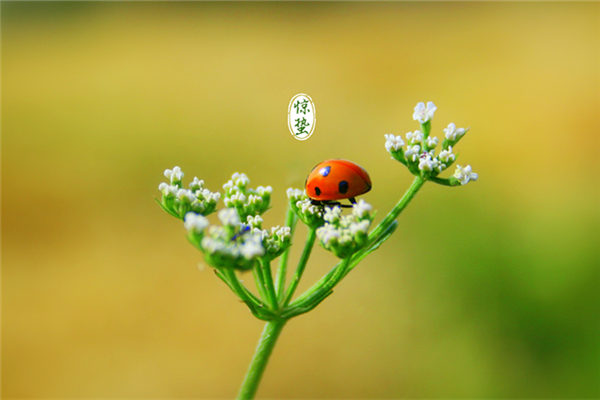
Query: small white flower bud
{"points": [[238, 198], [447, 155], [229, 216], [293, 193], [254, 199], [174, 175], [252, 247], [196, 183], [240, 179], [439, 167], [211, 245], [185, 194], [426, 162], [254, 221], [414, 137], [361, 208], [264, 190], [327, 234], [194, 222], [359, 227], [465, 174], [332, 214], [228, 185], [393, 143], [432, 141], [453, 133], [412, 152], [424, 113], [167, 189]]}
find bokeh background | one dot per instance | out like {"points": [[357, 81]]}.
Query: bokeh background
{"points": [[488, 290]]}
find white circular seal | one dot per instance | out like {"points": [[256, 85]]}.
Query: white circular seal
{"points": [[302, 116]]}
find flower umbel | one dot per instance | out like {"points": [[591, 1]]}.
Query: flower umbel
{"points": [[238, 241], [178, 201], [419, 155], [301, 204], [245, 200], [226, 246], [344, 235]]}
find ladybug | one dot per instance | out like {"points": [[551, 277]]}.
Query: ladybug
{"points": [[332, 180]]}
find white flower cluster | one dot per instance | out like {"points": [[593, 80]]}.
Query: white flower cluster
{"points": [[393, 143], [240, 239], [275, 240], [229, 217], [195, 223], [309, 213], [345, 234], [419, 154], [236, 244], [222, 252], [229, 245], [245, 200], [174, 175], [178, 201]]}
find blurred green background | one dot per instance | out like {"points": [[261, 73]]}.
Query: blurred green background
{"points": [[489, 290]]}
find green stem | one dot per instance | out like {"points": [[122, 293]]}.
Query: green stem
{"points": [[324, 285], [260, 282], [256, 306], [318, 289], [290, 221], [310, 241], [425, 128], [231, 280], [269, 286], [393, 214], [261, 357], [445, 181]]}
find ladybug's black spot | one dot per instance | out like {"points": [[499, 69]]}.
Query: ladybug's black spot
{"points": [[317, 190], [325, 171], [343, 187]]}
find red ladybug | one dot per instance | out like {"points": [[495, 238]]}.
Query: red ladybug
{"points": [[332, 180]]}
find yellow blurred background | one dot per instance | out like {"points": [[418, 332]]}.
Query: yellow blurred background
{"points": [[488, 290]]}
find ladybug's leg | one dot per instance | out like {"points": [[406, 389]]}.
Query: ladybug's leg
{"points": [[335, 203], [331, 203], [352, 202]]}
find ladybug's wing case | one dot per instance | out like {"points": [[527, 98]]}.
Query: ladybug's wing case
{"points": [[336, 180]]}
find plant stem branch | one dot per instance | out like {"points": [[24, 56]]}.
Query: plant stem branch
{"points": [[238, 287], [260, 282], [319, 289], [265, 266], [230, 278], [393, 214], [310, 241], [290, 220], [257, 366]]}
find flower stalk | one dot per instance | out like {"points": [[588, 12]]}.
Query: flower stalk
{"points": [[240, 243], [261, 356]]}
